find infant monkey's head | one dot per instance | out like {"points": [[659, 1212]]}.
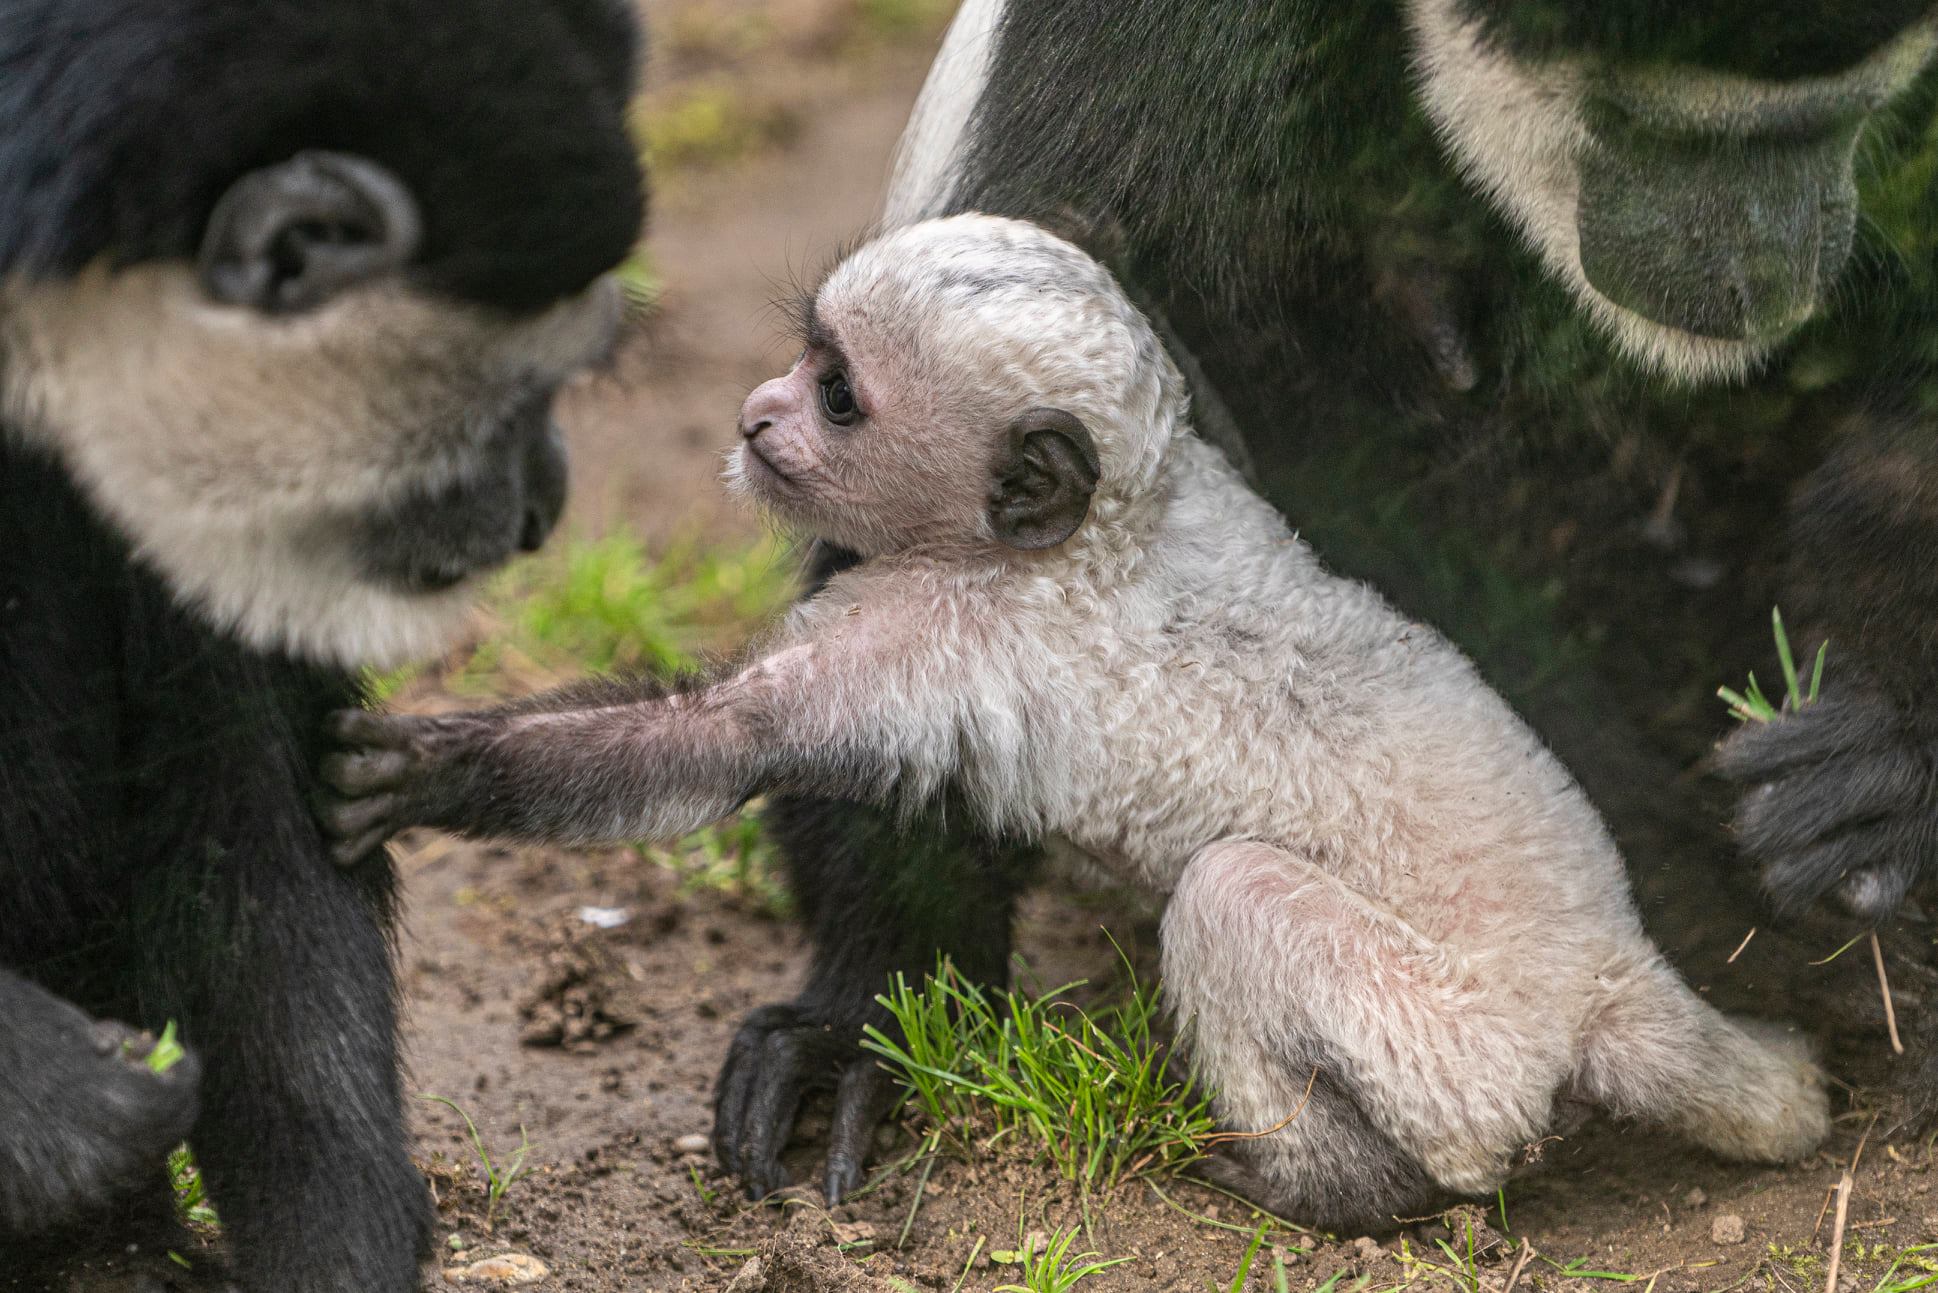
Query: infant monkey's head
{"points": [[966, 382]]}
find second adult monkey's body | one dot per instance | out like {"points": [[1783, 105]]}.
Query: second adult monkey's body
{"points": [[1390, 908]]}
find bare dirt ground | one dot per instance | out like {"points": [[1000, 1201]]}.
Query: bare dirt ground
{"points": [[602, 1043]]}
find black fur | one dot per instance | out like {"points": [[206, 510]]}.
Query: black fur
{"points": [[1775, 38], [1263, 176], [126, 119], [158, 856], [161, 863]]}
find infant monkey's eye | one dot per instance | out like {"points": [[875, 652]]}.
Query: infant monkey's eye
{"points": [[837, 401]]}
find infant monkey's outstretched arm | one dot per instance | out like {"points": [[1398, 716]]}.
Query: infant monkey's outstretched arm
{"points": [[642, 760]]}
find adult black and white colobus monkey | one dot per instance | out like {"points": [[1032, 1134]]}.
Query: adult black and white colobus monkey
{"points": [[286, 290], [1412, 241]]}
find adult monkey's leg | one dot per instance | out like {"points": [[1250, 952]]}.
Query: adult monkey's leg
{"points": [[878, 895]]}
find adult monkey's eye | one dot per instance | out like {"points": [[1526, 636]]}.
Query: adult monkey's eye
{"points": [[837, 401]]}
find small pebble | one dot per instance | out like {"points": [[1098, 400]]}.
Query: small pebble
{"points": [[1727, 1229], [852, 1232], [509, 1268], [750, 1277], [1695, 1198], [694, 1143]]}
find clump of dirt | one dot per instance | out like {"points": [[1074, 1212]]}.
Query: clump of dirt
{"points": [[571, 1000], [795, 1263]]}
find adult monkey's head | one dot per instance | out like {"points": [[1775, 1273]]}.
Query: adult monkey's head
{"points": [[1684, 166], [288, 288]]}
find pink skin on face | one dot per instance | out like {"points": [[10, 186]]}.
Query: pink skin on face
{"points": [[778, 428]]}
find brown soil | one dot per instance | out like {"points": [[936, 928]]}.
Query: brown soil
{"points": [[602, 1044]]}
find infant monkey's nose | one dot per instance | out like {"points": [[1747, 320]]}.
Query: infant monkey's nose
{"points": [[764, 405]]}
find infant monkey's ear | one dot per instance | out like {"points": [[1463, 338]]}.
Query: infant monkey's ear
{"points": [[1043, 480]]}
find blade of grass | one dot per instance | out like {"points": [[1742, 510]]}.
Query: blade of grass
{"points": [[1792, 691]]}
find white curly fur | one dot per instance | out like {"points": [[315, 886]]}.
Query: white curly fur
{"points": [[1380, 881]]}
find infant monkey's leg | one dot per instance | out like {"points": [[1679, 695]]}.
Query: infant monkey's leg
{"points": [[1745, 1089], [1426, 1081]]}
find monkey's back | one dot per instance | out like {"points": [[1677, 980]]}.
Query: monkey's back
{"points": [[1246, 693]]}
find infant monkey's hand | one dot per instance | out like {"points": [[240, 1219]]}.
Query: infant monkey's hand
{"points": [[398, 770]]}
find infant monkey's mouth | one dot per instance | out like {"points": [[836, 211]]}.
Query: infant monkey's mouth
{"points": [[753, 449]]}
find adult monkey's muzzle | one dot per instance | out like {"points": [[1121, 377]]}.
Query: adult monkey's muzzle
{"points": [[1724, 206]]}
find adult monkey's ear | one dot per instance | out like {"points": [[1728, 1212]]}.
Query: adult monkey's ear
{"points": [[1044, 480], [291, 236]]}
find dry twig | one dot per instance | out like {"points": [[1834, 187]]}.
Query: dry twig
{"points": [[1837, 1232], [1884, 986], [1520, 1263]]}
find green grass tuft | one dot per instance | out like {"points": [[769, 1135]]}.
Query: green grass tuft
{"points": [[1751, 706], [500, 1176], [899, 18], [709, 125], [1052, 1269], [605, 605], [733, 857], [1911, 1268], [1244, 1271], [1088, 1090]]}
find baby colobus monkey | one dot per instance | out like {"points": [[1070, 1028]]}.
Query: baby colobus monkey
{"points": [[1391, 910]]}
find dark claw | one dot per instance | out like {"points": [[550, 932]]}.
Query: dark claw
{"points": [[736, 1083], [780, 1054], [775, 1099], [862, 1098]]}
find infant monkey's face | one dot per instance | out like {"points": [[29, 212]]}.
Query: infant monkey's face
{"points": [[859, 444], [903, 423]]}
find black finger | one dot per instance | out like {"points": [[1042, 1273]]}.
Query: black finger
{"points": [[1798, 877], [1761, 751], [861, 1100], [771, 1107], [1820, 801], [349, 818], [730, 1097], [735, 1086], [360, 772], [348, 853], [357, 727]]}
